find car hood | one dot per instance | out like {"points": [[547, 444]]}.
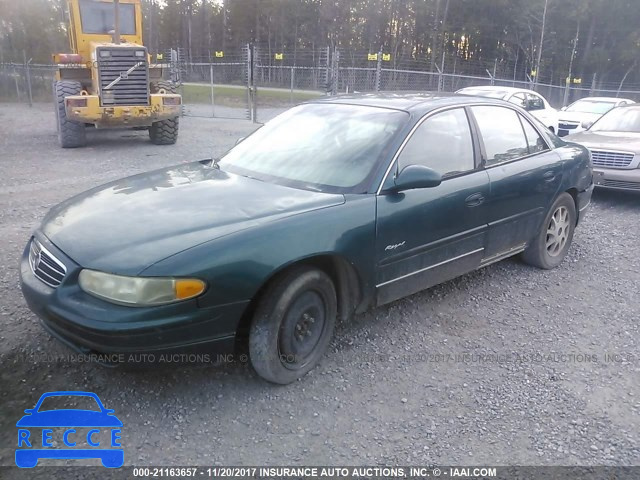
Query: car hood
{"points": [[626, 141], [69, 418], [127, 225], [579, 117]]}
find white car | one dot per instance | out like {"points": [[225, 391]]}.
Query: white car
{"points": [[532, 102], [585, 112]]}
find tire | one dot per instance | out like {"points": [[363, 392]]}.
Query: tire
{"points": [[283, 345], [550, 246], [166, 85], [70, 134], [164, 132]]}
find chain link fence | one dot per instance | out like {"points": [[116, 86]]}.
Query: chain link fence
{"points": [[254, 83]]}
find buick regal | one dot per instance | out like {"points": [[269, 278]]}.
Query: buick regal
{"points": [[333, 207]]}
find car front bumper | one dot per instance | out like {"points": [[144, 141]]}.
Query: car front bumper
{"points": [[617, 179], [90, 325]]}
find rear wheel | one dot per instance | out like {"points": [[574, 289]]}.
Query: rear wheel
{"points": [[552, 243], [293, 325], [164, 132], [70, 134]]}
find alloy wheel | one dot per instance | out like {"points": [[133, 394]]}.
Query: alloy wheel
{"points": [[558, 231]]}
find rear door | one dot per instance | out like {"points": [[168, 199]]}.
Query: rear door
{"points": [[524, 173], [430, 235]]}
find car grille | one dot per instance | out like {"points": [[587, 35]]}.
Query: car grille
{"points": [[603, 158], [133, 86], [621, 184], [45, 265]]}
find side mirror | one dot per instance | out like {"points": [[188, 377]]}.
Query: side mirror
{"points": [[586, 125], [563, 109], [416, 176], [29, 410], [240, 140]]}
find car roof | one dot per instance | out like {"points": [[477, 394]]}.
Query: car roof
{"points": [[409, 102], [605, 99], [496, 88]]}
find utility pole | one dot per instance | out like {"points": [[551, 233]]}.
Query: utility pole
{"points": [[573, 55], [544, 24]]}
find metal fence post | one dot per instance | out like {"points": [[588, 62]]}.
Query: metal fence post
{"points": [[378, 71], [28, 75], [567, 86], [213, 103], [15, 77], [292, 83]]}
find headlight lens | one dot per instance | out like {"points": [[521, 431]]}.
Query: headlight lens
{"points": [[139, 291]]}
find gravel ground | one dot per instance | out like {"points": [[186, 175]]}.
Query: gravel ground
{"points": [[504, 366]]}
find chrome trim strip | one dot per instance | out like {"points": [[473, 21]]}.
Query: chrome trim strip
{"points": [[503, 255], [412, 252], [585, 207], [430, 267]]}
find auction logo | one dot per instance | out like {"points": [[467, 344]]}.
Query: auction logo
{"points": [[69, 433]]}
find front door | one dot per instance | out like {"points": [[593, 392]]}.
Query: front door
{"points": [[430, 235]]}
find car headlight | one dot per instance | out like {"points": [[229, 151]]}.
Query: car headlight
{"points": [[139, 291]]}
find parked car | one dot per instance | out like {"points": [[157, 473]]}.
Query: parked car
{"points": [[614, 142], [532, 102], [374, 198], [582, 113]]}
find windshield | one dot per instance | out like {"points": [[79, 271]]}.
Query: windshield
{"points": [[589, 106], [75, 402], [484, 93], [619, 120], [324, 147], [98, 17]]}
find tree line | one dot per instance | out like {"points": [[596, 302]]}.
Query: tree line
{"points": [[547, 39]]}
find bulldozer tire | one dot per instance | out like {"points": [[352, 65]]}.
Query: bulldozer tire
{"points": [[164, 132], [70, 134], [166, 85]]}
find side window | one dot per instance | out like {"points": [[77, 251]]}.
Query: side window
{"points": [[534, 102], [502, 134], [519, 99], [443, 143], [535, 142]]}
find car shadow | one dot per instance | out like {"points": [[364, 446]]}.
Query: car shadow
{"points": [[617, 199]]}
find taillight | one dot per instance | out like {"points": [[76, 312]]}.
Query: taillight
{"points": [[171, 100], [76, 102]]}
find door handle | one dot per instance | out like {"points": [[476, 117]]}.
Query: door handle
{"points": [[474, 200], [549, 176]]}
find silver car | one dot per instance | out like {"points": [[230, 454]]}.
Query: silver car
{"points": [[614, 142], [582, 113]]}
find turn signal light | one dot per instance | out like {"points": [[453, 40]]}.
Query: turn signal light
{"points": [[76, 102], [188, 288]]}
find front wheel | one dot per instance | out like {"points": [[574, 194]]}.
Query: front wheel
{"points": [[70, 134], [550, 246], [293, 325]]}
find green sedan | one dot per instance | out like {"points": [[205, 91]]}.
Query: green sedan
{"points": [[333, 207]]}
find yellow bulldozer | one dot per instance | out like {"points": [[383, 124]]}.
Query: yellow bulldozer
{"points": [[109, 80]]}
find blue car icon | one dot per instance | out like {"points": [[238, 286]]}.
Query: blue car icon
{"points": [[31, 448]]}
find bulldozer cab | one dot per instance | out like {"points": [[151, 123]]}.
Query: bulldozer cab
{"points": [[94, 21], [108, 81]]}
